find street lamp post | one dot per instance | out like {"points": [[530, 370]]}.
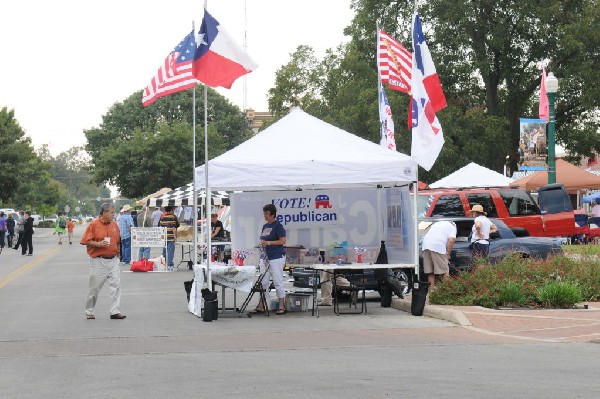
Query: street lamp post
{"points": [[551, 89]]}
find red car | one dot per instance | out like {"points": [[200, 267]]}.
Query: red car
{"points": [[553, 217]]}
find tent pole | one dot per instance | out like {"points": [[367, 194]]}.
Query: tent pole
{"points": [[416, 222]]}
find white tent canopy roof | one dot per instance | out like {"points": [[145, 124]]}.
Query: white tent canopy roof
{"points": [[184, 196], [473, 175], [301, 151]]}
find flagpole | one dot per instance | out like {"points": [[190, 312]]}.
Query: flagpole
{"points": [[415, 207], [207, 202], [195, 219]]}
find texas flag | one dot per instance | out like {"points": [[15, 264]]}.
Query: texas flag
{"points": [[218, 60], [427, 99]]}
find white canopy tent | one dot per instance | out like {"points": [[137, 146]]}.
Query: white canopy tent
{"points": [[184, 196], [301, 151], [473, 175]]}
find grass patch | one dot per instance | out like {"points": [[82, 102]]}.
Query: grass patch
{"points": [[559, 294], [558, 281], [586, 249]]}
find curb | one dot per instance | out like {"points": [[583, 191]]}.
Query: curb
{"points": [[437, 312]]}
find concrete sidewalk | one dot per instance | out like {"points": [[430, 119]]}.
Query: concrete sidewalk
{"points": [[545, 325]]}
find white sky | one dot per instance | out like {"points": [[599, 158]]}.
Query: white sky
{"points": [[66, 62]]}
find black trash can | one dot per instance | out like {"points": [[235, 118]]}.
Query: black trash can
{"points": [[419, 297], [210, 310]]}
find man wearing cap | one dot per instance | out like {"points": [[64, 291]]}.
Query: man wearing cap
{"points": [[480, 233], [102, 240], [125, 225]]}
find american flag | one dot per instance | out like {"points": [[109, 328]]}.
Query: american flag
{"points": [[394, 62], [175, 74]]}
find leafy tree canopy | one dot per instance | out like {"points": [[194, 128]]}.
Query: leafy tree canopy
{"points": [[71, 170], [15, 153], [488, 55], [142, 149]]}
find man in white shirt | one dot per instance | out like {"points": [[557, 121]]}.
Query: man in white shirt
{"points": [[596, 209], [437, 246], [156, 217], [480, 233]]}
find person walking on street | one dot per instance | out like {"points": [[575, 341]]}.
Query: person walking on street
{"points": [[27, 243], [437, 247], [144, 219], [20, 222], [101, 238], [480, 233], [125, 224], [170, 222], [2, 230], [70, 228], [60, 226], [10, 229]]}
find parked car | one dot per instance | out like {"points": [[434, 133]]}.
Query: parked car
{"points": [[36, 219], [503, 243], [553, 217]]}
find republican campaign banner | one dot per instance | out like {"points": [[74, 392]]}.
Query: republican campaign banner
{"points": [[324, 219]]}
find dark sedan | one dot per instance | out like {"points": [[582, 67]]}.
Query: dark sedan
{"points": [[502, 243]]}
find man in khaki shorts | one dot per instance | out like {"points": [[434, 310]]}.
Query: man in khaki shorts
{"points": [[437, 246]]}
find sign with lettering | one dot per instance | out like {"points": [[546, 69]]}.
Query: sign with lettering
{"points": [[148, 237], [325, 218]]}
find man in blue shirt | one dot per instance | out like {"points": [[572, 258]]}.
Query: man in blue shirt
{"points": [[125, 225]]}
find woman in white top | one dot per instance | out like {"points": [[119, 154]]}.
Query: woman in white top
{"points": [[480, 233]]}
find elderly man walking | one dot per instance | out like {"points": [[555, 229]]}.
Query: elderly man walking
{"points": [[102, 240]]}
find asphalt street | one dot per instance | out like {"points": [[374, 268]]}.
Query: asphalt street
{"points": [[48, 349]]}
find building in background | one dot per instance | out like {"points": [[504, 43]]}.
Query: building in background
{"points": [[255, 119]]}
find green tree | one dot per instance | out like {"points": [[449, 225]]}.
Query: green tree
{"points": [[15, 153], [36, 186], [487, 54], [142, 149], [503, 42], [71, 168]]}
